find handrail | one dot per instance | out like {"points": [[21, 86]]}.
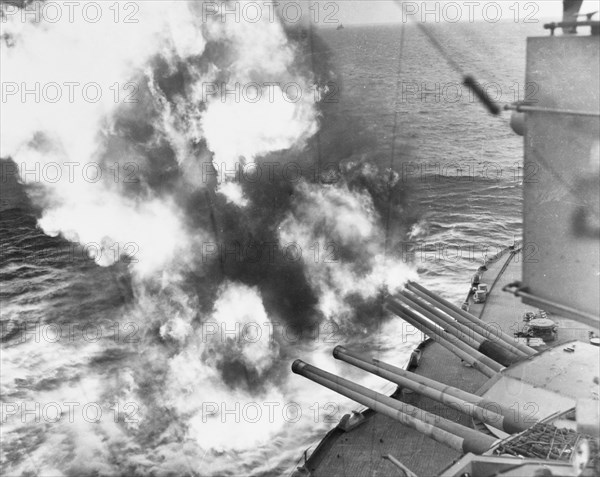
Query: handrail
{"points": [[517, 289], [573, 25], [534, 109]]}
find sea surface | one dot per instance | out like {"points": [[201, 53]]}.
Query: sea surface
{"points": [[460, 164], [460, 186]]}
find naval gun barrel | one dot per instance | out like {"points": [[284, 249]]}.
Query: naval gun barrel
{"points": [[462, 334], [476, 359], [465, 318], [475, 406], [442, 430], [467, 334]]}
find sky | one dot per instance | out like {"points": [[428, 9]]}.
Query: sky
{"points": [[387, 11]]}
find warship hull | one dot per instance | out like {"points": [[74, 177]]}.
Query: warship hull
{"points": [[525, 339], [356, 446]]}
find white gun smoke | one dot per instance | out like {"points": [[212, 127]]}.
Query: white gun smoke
{"points": [[183, 374]]}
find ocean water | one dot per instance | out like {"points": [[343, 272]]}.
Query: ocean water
{"points": [[171, 406]]}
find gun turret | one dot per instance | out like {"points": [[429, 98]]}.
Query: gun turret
{"points": [[489, 412], [442, 430]]}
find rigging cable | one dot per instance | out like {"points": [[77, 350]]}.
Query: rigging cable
{"points": [[390, 190], [394, 135], [311, 41], [468, 80]]}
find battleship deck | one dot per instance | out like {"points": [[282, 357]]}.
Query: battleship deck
{"points": [[359, 450]]}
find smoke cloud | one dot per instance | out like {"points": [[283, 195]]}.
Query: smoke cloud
{"points": [[149, 113]]}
